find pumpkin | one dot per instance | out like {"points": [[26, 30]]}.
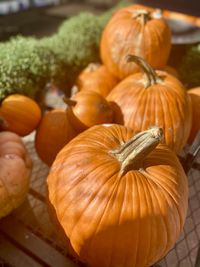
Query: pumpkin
{"points": [[52, 134], [97, 78], [171, 70], [137, 30], [121, 199], [88, 108], [194, 94], [153, 98], [20, 114], [15, 170]]}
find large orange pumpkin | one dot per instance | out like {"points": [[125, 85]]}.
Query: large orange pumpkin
{"points": [[96, 78], [194, 94], [153, 98], [52, 134], [20, 114], [120, 200], [88, 108], [135, 30], [15, 171]]}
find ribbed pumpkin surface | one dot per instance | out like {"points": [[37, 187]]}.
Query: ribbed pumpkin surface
{"points": [[165, 104], [128, 32], [118, 220]]}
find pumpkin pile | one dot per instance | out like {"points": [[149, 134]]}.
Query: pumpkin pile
{"points": [[117, 190], [116, 187]]}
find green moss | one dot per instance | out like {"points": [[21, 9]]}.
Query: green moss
{"points": [[25, 66], [28, 64], [189, 68]]}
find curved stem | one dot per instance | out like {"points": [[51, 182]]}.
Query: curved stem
{"points": [[69, 101], [132, 153], [151, 75]]}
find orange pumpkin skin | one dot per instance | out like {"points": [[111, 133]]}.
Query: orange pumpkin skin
{"points": [[171, 71], [89, 108], [113, 220], [195, 99], [15, 171], [96, 78], [21, 114], [52, 134], [127, 34], [165, 104]]}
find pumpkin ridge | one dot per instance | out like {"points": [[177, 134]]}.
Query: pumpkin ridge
{"points": [[175, 197], [8, 192], [101, 217], [119, 217], [77, 199], [163, 223], [150, 205]]}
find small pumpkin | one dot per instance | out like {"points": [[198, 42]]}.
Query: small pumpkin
{"points": [[171, 70], [52, 134], [15, 171], [153, 98], [20, 114], [121, 199], [194, 94], [97, 78], [88, 108], [137, 30]]}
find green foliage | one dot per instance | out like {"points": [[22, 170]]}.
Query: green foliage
{"points": [[25, 66], [28, 64], [189, 69]]}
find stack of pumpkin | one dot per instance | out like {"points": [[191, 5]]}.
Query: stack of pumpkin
{"points": [[116, 186]]}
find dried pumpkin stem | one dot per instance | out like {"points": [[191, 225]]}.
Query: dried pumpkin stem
{"points": [[69, 101], [92, 67], [151, 75], [142, 15], [132, 153]]}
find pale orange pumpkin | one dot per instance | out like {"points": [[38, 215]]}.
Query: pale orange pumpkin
{"points": [[97, 78], [15, 171], [52, 134], [153, 98], [88, 108], [194, 94], [120, 200], [137, 30], [20, 114]]}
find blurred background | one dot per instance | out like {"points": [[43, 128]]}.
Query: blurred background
{"points": [[42, 17]]}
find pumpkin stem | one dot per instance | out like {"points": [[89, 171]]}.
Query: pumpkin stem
{"points": [[152, 77], [92, 67], [69, 101], [132, 153], [142, 15]]}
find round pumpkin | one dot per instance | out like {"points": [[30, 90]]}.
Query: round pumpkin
{"points": [[15, 170], [153, 98], [194, 94], [96, 78], [20, 114], [88, 108], [52, 134], [137, 30], [121, 199]]}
